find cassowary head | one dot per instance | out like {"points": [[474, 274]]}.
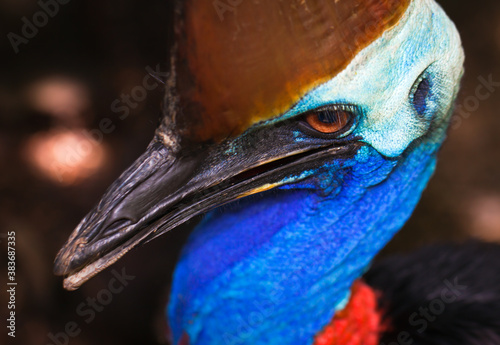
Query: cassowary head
{"points": [[318, 122]]}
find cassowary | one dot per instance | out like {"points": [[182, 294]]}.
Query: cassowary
{"points": [[307, 129]]}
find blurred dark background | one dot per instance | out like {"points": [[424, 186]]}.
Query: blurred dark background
{"points": [[56, 157]]}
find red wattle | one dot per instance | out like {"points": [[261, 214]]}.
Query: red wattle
{"points": [[359, 323]]}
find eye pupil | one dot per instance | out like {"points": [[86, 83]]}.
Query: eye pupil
{"points": [[420, 96], [328, 120], [327, 116]]}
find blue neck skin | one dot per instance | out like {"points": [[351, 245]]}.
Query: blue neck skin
{"points": [[273, 268]]}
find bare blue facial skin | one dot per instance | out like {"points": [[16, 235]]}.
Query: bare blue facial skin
{"points": [[274, 267]]}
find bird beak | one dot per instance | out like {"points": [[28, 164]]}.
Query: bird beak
{"points": [[164, 189]]}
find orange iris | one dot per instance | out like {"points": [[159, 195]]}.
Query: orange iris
{"points": [[328, 121]]}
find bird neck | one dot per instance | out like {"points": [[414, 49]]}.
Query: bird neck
{"points": [[274, 268]]}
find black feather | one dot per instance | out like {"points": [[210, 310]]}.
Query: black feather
{"points": [[421, 305]]}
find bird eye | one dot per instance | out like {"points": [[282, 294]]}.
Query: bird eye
{"points": [[420, 96], [330, 119]]}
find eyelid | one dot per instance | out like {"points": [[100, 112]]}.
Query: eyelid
{"points": [[336, 107]]}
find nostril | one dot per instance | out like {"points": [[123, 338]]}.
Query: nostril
{"points": [[116, 226]]}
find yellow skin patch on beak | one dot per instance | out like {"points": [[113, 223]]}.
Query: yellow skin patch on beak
{"points": [[260, 189]]}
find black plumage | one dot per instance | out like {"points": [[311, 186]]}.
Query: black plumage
{"points": [[442, 294]]}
